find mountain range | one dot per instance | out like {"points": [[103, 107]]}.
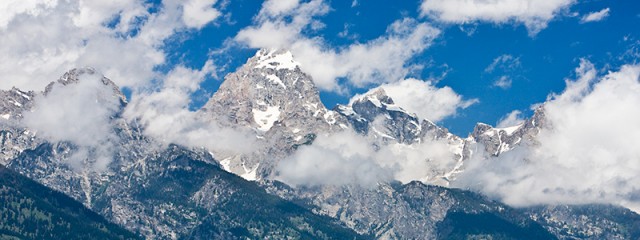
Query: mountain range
{"points": [[173, 190]]}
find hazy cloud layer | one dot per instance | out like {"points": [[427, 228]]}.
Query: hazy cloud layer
{"points": [[280, 24], [587, 152], [347, 158], [534, 14], [122, 39]]}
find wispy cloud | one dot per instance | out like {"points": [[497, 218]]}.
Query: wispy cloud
{"points": [[512, 119], [595, 16], [503, 82], [505, 65], [164, 114]]}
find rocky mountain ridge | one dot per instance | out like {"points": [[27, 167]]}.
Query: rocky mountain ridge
{"points": [[167, 192], [173, 192]]}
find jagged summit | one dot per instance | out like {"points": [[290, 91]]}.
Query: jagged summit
{"points": [[272, 96], [499, 140], [376, 112], [269, 89]]}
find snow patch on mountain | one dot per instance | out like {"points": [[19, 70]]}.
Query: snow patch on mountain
{"points": [[276, 59], [265, 119], [275, 79]]}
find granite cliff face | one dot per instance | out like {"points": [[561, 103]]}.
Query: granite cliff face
{"points": [[173, 192], [272, 96], [280, 103]]}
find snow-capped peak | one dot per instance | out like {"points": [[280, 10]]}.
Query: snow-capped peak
{"points": [[275, 59]]}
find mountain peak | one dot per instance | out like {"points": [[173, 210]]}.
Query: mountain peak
{"points": [[76, 75], [266, 90], [378, 98]]}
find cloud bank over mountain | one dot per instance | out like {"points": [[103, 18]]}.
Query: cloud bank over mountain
{"points": [[586, 153]]}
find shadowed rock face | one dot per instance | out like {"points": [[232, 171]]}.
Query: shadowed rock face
{"points": [[29, 210]]}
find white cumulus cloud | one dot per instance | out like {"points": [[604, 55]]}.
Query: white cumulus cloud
{"points": [[197, 13], [534, 14], [122, 39], [586, 152]]}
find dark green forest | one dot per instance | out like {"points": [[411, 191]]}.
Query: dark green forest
{"points": [[29, 210]]}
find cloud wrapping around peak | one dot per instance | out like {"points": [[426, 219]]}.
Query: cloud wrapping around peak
{"points": [[595, 16], [79, 113], [586, 153], [424, 99], [534, 14], [384, 59]]}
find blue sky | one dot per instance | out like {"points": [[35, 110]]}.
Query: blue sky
{"points": [[463, 52], [534, 49]]}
